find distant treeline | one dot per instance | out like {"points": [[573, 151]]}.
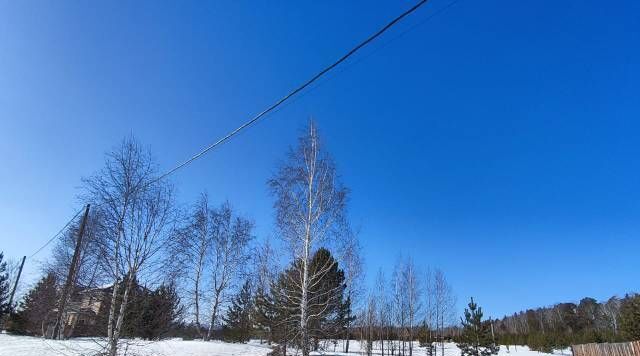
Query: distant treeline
{"points": [[565, 324]]}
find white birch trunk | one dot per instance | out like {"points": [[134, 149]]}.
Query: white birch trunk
{"points": [[113, 350]]}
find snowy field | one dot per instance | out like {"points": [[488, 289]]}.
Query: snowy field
{"points": [[31, 346], [450, 349]]}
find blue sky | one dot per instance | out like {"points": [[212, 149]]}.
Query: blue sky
{"points": [[497, 140]]}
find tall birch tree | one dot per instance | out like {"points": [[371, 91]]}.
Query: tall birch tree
{"points": [[230, 253], [136, 213], [384, 311], [310, 211], [444, 304], [192, 251], [413, 294]]}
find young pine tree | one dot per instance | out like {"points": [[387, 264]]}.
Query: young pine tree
{"points": [[476, 337], [238, 321]]}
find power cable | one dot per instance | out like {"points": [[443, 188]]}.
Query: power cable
{"points": [[56, 234], [294, 92], [265, 111]]}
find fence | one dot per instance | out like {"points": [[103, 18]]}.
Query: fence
{"points": [[607, 349]]}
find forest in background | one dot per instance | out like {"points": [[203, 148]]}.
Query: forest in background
{"points": [[563, 324]]}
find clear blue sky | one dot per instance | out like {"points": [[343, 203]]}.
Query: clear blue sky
{"points": [[497, 141]]}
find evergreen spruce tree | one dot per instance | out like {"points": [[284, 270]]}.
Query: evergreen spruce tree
{"points": [[264, 315], [4, 288], [476, 334], [238, 321], [630, 317], [36, 307], [283, 310], [160, 312], [329, 308], [327, 302]]}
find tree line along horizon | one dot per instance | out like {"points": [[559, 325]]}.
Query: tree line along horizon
{"points": [[200, 273]]}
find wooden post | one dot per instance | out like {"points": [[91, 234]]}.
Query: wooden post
{"points": [[59, 327]]}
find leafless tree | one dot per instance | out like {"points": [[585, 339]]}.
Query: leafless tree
{"points": [[430, 306], [611, 311], [443, 303], [413, 295], [384, 311], [351, 262], [136, 220], [400, 309], [192, 250], [369, 323], [407, 302], [230, 252], [310, 211], [265, 266], [211, 251]]}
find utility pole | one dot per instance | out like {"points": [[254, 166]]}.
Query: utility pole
{"points": [[13, 292], [58, 331], [15, 285]]}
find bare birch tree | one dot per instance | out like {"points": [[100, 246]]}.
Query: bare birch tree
{"points": [[430, 310], [351, 260], [310, 210], [369, 323], [413, 294], [192, 251], [400, 309], [611, 311], [265, 266], [137, 217], [231, 237], [407, 302], [384, 311], [444, 304]]}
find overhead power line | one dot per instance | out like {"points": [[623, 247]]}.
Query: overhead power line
{"points": [[294, 91], [353, 63], [266, 111], [56, 234]]}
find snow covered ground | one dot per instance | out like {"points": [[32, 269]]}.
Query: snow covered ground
{"points": [[450, 349], [32, 346]]}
